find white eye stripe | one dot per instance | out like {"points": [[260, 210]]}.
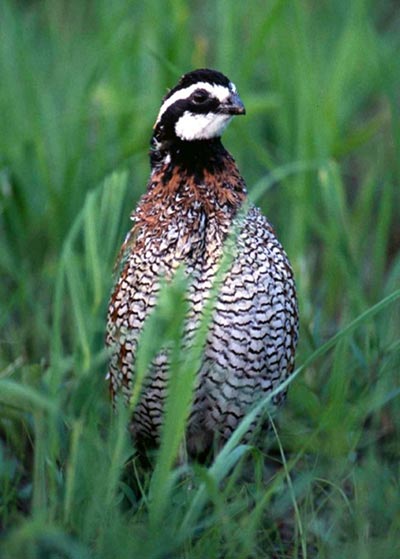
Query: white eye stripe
{"points": [[221, 92]]}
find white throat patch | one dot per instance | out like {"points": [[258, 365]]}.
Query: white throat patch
{"points": [[193, 126]]}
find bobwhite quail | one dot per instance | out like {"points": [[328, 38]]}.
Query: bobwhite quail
{"points": [[193, 195]]}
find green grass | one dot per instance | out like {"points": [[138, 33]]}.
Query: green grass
{"points": [[80, 87]]}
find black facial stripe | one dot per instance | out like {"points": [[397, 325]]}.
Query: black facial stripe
{"points": [[177, 109], [208, 106]]}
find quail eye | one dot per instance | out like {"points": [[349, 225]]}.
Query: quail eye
{"points": [[200, 96]]}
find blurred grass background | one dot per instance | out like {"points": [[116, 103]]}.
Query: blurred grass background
{"points": [[80, 87]]}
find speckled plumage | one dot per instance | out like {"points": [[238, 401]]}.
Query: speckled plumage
{"points": [[194, 193]]}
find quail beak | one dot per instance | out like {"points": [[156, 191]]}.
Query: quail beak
{"points": [[233, 105]]}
